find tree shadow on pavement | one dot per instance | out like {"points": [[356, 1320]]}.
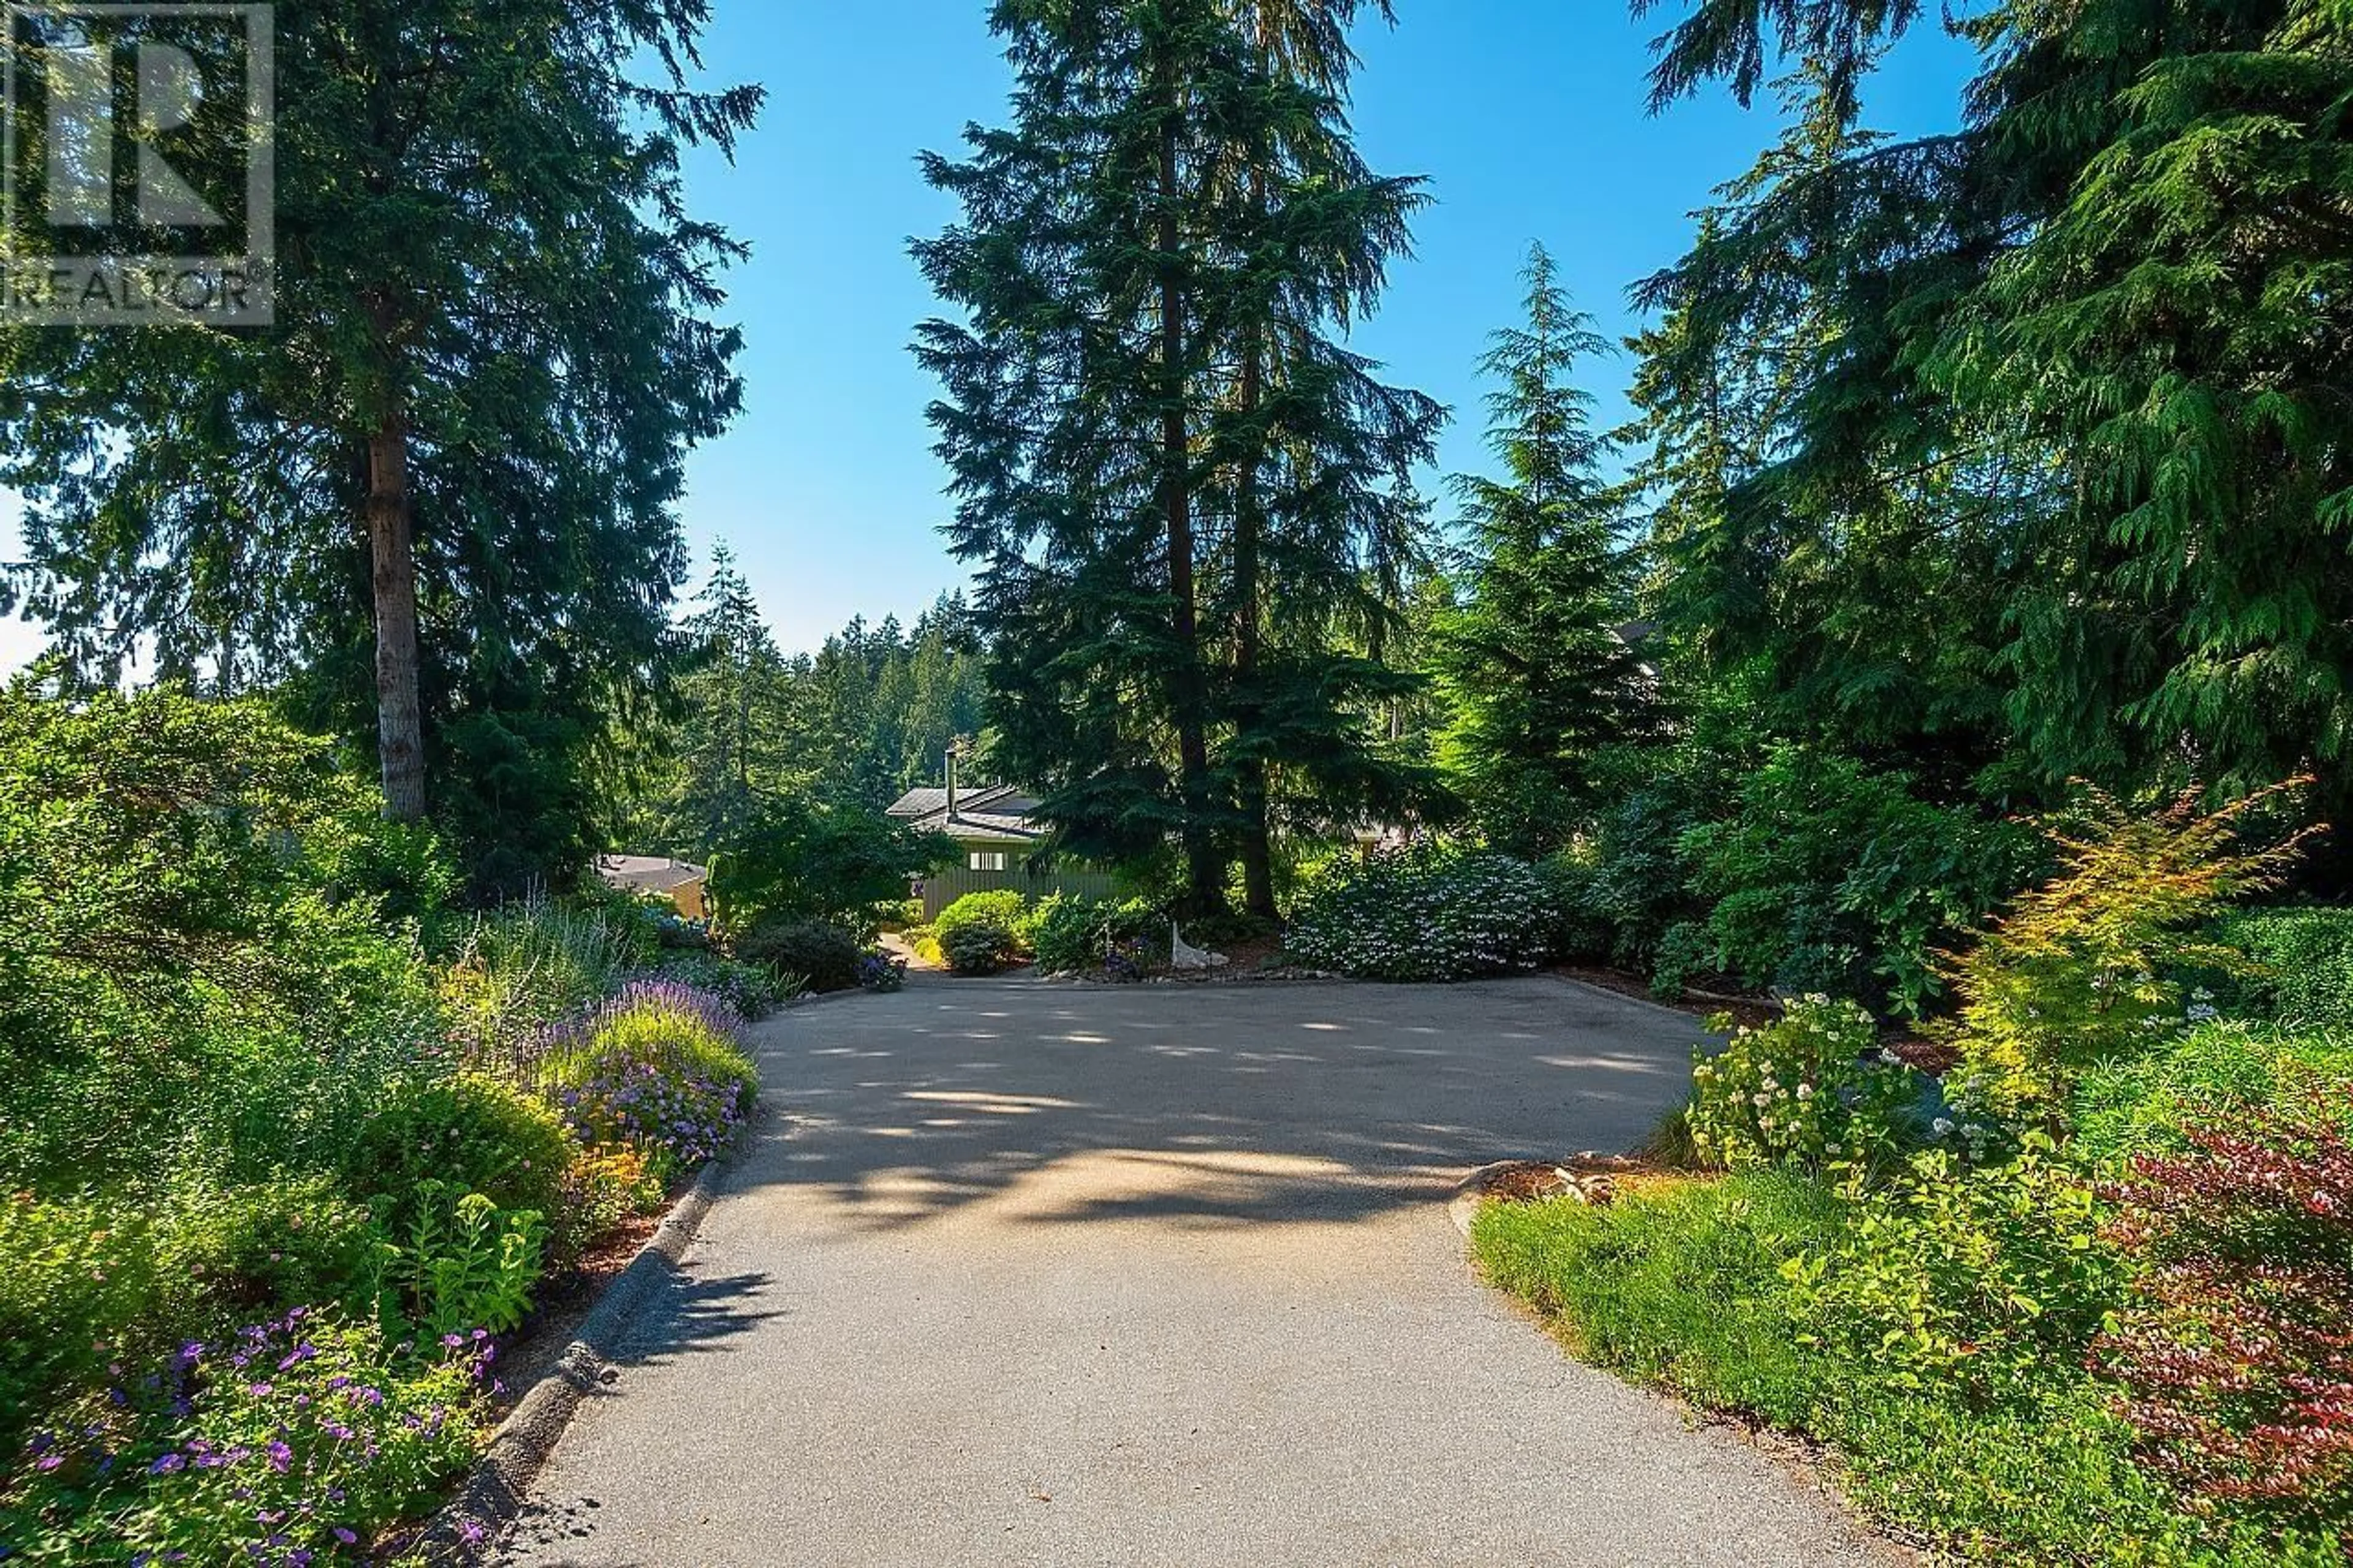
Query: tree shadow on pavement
{"points": [[1200, 1107]]}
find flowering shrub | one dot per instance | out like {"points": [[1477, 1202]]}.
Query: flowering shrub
{"points": [[1423, 914], [1810, 1089], [291, 1444], [752, 991], [1978, 1284], [715, 1014], [2237, 1349], [882, 974], [658, 1071]]}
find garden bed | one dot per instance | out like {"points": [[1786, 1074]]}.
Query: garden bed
{"points": [[2083, 1301], [304, 1169]]}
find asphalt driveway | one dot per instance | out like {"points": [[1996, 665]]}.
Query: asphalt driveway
{"points": [[1020, 1273]]}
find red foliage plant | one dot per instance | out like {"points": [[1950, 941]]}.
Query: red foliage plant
{"points": [[2237, 1354]]}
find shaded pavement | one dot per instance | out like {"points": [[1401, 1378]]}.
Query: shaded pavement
{"points": [[1026, 1273]]}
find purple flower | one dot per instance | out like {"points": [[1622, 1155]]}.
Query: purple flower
{"points": [[167, 1465], [281, 1456]]}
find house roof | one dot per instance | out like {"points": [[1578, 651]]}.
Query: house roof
{"points": [[647, 873], [999, 811]]}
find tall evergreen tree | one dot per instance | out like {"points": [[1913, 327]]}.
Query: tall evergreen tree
{"points": [[1315, 452], [1539, 676], [1826, 528], [2180, 327], [441, 488], [733, 747], [2091, 356], [1174, 203]]}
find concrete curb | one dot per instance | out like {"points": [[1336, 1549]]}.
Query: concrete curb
{"points": [[798, 1002], [467, 1531], [1644, 1002]]}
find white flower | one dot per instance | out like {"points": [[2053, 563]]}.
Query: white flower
{"points": [[1805, 1091]]}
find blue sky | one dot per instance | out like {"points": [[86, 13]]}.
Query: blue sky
{"points": [[1526, 115]]}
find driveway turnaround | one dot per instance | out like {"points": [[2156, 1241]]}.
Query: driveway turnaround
{"points": [[1025, 1273]]}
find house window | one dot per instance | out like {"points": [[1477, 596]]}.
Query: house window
{"points": [[989, 861]]}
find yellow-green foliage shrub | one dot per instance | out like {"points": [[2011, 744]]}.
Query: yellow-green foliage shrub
{"points": [[2088, 967]]}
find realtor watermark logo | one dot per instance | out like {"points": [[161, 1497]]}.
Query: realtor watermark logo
{"points": [[137, 165]]}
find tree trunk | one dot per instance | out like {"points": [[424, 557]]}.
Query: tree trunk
{"points": [[1206, 893], [391, 544], [1249, 521]]}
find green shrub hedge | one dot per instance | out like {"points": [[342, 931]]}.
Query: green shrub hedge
{"points": [[1070, 936], [824, 958], [2303, 958], [980, 933]]}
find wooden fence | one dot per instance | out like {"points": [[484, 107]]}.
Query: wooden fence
{"points": [[947, 887]]}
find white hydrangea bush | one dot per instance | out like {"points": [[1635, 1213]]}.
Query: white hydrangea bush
{"points": [[1813, 1089], [1424, 914]]}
